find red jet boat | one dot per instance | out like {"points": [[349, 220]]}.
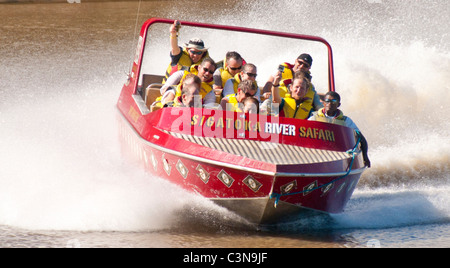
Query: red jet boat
{"points": [[264, 168]]}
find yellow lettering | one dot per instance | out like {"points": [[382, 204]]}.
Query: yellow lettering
{"points": [[220, 122], [238, 124], [257, 127], [210, 122], [302, 132], [321, 135], [133, 114], [316, 132], [328, 135], [194, 120], [229, 120], [201, 122], [309, 133]]}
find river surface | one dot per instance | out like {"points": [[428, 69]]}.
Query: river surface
{"points": [[65, 183]]}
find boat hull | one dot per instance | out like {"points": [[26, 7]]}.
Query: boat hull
{"points": [[264, 195]]}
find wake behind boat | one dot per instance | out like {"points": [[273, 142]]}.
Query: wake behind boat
{"points": [[264, 168]]}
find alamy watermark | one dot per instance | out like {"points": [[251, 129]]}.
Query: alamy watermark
{"points": [[218, 123], [74, 1]]}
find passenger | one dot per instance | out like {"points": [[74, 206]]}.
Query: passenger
{"points": [[302, 63], [249, 72], [190, 96], [299, 103], [330, 113], [234, 102], [251, 105], [232, 66], [183, 58], [204, 71]]}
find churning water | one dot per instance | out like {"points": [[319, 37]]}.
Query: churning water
{"points": [[64, 180]]}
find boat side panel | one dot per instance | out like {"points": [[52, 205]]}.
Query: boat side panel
{"points": [[206, 179], [225, 124]]}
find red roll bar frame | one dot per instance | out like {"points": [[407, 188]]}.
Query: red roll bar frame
{"points": [[151, 21]]}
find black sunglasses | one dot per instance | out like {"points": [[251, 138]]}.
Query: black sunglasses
{"points": [[330, 101], [196, 52], [236, 68]]}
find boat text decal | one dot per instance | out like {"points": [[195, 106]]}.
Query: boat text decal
{"points": [[210, 122]]}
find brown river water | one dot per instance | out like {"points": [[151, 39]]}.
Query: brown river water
{"points": [[65, 183]]}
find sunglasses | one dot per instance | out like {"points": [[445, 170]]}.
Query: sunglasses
{"points": [[331, 101], [206, 70], [196, 52], [236, 68], [303, 63], [251, 75]]}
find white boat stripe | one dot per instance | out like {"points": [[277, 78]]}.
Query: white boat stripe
{"points": [[266, 151]]}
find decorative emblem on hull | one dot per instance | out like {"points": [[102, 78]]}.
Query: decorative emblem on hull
{"points": [[154, 162], [182, 169], [309, 188], [350, 187], [327, 188], [341, 187], [252, 183], [225, 178], [288, 187], [166, 165], [203, 174]]}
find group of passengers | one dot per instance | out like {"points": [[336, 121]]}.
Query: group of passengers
{"points": [[193, 79]]}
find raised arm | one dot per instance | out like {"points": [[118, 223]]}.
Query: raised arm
{"points": [[275, 90], [267, 89], [175, 49]]}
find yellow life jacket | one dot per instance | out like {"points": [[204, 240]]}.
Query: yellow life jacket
{"points": [[237, 80], [184, 63], [206, 87], [286, 79], [288, 73], [233, 103], [338, 119], [284, 90], [301, 111], [225, 75]]}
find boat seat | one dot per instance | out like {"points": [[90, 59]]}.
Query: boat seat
{"points": [[148, 79], [152, 93]]}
